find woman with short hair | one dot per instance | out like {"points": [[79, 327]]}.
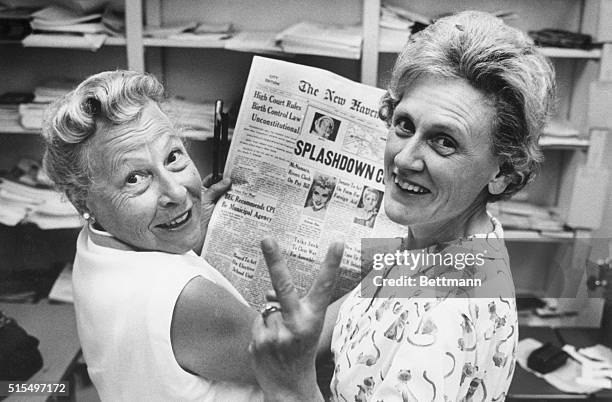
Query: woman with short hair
{"points": [[155, 321], [466, 103]]}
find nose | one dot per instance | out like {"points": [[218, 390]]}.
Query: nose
{"points": [[172, 190], [410, 156]]}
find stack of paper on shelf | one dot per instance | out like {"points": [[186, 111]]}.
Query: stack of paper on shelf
{"points": [[254, 42], [212, 28], [396, 25], [189, 30], [559, 132], [32, 114], [320, 39], [400, 18], [9, 118], [526, 216], [55, 18], [165, 31], [44, 207], [114, 22], [200, 33], [196, 119], [58, 26], [52, 90]]}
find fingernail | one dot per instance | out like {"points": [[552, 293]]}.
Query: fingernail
{"points": [[267, 244], [226, 181]]}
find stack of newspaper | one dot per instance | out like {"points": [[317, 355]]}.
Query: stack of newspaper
{"points": [[114, 22], [526, 216], [396, 25], [9, 118], [44, 207], [32, 114], [59, 26], [559, 132], [321, 39], [55, 18], [196, 119]]}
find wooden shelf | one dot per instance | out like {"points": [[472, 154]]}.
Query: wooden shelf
{"points": [[185, 43], [110, 41], [552, 52], [114, 41], [562, 53], [573, 143], [531, 236], [17, 130]]}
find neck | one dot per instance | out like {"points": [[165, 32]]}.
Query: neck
{"points": [[472, 221], [105, 239]]}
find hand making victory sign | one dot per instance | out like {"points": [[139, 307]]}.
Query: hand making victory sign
{"points": [[286, 335]]}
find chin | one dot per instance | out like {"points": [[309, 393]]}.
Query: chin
{"points": [[400, 213]]}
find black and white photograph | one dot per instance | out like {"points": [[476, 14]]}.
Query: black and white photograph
{"points": [[324, 126], [305, 201], [368, 206], [319, 195]]}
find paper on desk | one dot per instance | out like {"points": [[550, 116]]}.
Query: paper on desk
{"points": [[598, 352], [564, 378]]}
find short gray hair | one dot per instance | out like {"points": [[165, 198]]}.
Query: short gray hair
{"points": [[501, 62], [102, 101]]}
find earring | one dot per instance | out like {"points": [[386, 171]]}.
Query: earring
{"points": [[88, 217]]}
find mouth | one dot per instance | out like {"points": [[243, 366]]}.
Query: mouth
{"points": [[177, 222], [408, 186]]}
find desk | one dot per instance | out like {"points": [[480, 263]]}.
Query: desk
{"points": [[55, 327], [526, 386]]}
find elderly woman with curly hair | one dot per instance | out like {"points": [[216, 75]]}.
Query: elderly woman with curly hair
{"points": [[466, 103], [155, 321]]}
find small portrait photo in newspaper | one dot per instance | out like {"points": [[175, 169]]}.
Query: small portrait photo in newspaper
{"points": [[324, 126], [320, 193], [368, 206]]}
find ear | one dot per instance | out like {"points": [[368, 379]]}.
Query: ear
{"points": [[498, 183]]}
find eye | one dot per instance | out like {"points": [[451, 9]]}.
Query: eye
{"points": [[444, 145], [174, 156], [134, 179], [403, 126]]}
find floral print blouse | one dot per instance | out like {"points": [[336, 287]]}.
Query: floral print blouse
{"points": [[429, 349]]}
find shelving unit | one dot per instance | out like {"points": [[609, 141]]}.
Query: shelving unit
{"points": [[205, 70]]}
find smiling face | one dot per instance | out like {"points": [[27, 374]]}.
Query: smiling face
{"points": [[438, 158], [146, 189], [320, 197]]}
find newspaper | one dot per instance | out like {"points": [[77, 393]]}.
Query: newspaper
{"points": [[306, 163]]}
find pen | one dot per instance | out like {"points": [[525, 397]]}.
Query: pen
{"points": [[217, 129]]}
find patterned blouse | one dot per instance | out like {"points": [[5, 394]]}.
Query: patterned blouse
{"points": [[413, 348]]}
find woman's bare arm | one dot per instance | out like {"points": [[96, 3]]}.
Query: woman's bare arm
{"points": [[211, 331]]}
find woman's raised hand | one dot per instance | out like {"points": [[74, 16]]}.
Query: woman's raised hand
{"points": [[285, 339]]}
